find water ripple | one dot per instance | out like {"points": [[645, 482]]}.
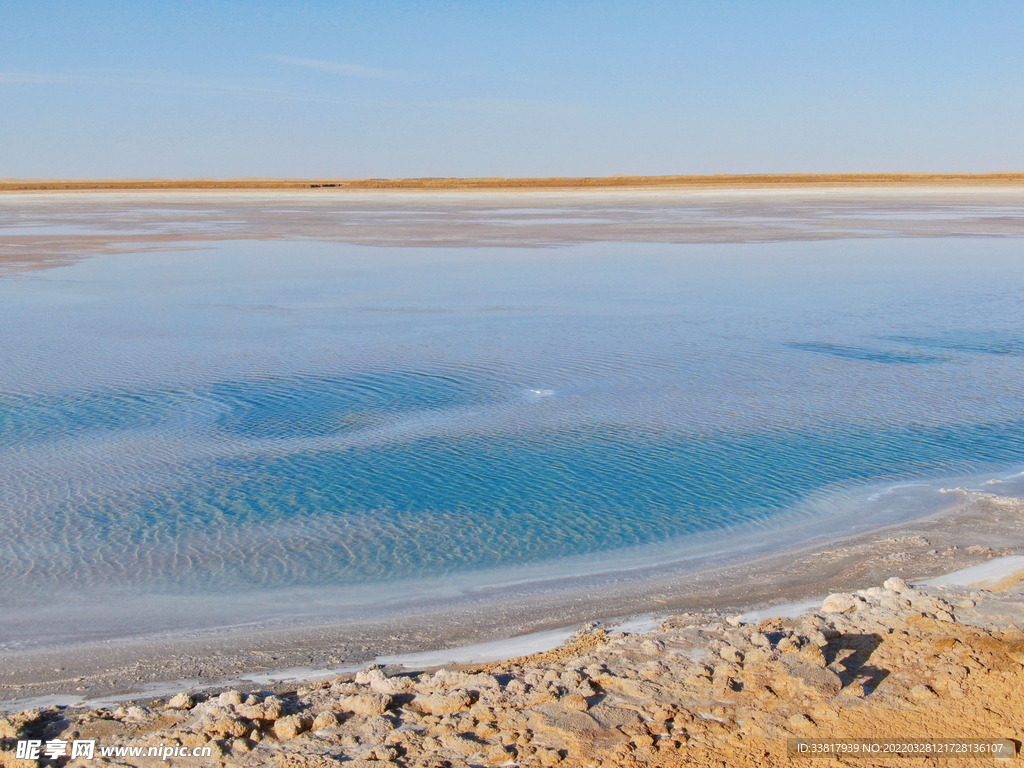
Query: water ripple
{"points": [[417, 430]]}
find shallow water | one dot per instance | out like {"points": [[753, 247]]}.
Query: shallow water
{"points": [[261, 417]]}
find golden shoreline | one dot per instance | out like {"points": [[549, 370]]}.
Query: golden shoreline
{"points": [[713, 181]]}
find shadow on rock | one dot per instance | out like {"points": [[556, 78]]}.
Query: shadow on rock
{"points": [[849, 655]]}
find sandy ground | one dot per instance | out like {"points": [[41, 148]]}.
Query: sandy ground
{"points": [[896, 663], [47, 228]]}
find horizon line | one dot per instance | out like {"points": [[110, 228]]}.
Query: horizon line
{"points": [[527, 182]]}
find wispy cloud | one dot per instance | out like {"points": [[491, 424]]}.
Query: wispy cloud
{"points": [[117, 77], [140, 80], [352, 70], [35, 78]]}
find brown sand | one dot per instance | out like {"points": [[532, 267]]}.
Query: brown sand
{"points": [[892, 663]]}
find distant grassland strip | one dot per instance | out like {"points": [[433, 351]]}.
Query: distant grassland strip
{"points": [[553, 182]]}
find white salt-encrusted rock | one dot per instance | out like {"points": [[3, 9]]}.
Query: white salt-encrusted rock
{"points": [[369, 675], [923, 693], [270, 709], [812, 678], [365, 703], [378, 682], [136, 714], [230, 698], [789, 645], [181, 701], [759, 640], [230, 726], [813, 654], [445, 680], [841, 602], [442, 703], [896, 584], [930, 604], [575, 701], [730, 654], [817, 637], [291, 726], [324, 720]]}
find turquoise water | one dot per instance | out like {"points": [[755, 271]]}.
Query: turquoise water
{"points": [[275, 416]]}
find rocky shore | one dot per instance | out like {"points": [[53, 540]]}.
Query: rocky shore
{"points": [[702, 689]]}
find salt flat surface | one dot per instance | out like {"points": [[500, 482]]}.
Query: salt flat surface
{"points": [[240, 432], [986, 576], [783, 610]]}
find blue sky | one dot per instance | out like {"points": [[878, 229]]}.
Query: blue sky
{"points": [[218, 88]]}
